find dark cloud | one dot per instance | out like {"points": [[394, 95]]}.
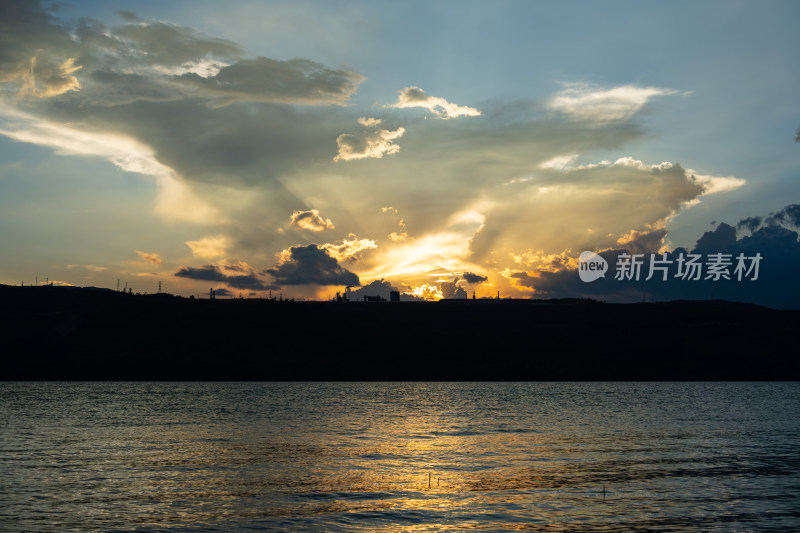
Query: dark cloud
{"points": [[450, 290], [204, 273], [214, 273], [311, 264], [146, 60], [776, 285], [473, 279], [238, 268], [788, 215], [523, 279], [376, 288], [163, 44], [125, 88], [35, 51], [44, 58], [298, 81], [750, 223], [234, 146], [719, 240], [222, 292], [797, 136]]}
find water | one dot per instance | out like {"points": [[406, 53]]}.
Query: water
{"points": [[399, 456]]}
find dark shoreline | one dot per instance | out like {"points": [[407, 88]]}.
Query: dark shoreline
{"points": [[55, 333]]}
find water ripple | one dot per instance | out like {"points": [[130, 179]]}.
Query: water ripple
{"points": [[400, 457]]}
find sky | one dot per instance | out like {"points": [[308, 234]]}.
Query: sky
{"points": [[437, 148]]}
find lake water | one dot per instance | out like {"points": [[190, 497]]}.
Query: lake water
{"points": [[399, 456]]}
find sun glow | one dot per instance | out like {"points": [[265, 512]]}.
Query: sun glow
{"points": [[442, 251], [428, 292]]}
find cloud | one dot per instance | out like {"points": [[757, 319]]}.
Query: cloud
{"points": [[601, 106], [416, 97], [777, 246], [593, 206], [42, 55], [124, 152], [476, 194], [647, 240], [376, 288], [396, 236], [214, 273], [424, 292], [399, 235], [440, 251], [297, 81], [37, 57], [42, 79], [222, 292], [158, 61], [369, 122], [715, 184], [349, 250], [143, 80], [789, 215], [369, 143], [204, 273], [153, 258], [91, 268], [722, 238], [709, 184], [544, 261], [310, 220], [524, 280], [474, 279], [560, 162], [210, 246], [301, 265], [451, 290], [749, 223], [156, 43], [57, 283], [175, 200]]}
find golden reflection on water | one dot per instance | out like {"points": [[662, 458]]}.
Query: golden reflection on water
{"points": [[419, 458], [410, 468], [410, 471]]}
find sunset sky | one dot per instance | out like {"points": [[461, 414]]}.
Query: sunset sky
{"points": [[299, 147]]}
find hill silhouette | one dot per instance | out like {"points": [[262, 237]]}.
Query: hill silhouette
{"points": [[94, 334]]}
